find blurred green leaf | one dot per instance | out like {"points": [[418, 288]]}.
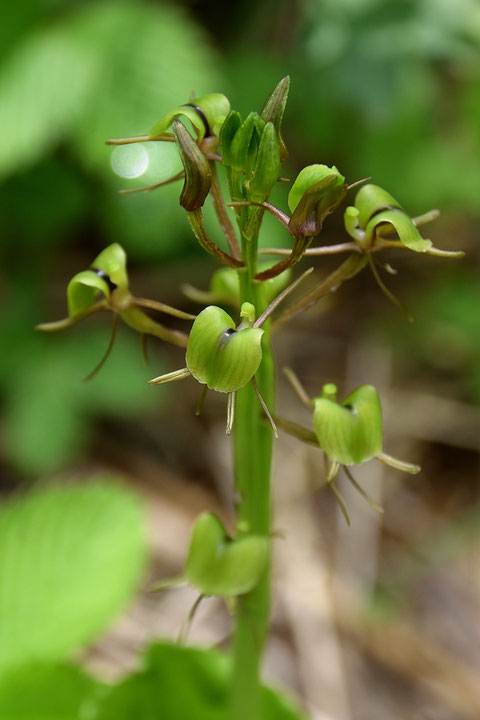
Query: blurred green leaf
{"points": [[100, 70], [181, 683], [70, 558], [49, 411], [38, 207], [51, 692], [151, 57], [44, 87]]}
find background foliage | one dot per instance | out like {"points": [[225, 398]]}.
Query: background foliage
{"points": [[380, 88]]}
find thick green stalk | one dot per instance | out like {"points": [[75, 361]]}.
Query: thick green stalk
{"points": [[253, 441]]}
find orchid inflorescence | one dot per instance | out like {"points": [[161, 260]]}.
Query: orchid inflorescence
{"points": [[224, 354]]}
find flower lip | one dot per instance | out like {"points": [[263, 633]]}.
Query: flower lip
{"points": [[202, 117], [103, 275], [383, 209], [225, 337]]}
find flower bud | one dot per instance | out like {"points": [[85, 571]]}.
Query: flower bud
{"points": [[198, 175], [228, 131], [351, 432], [375, 208], [273, 111], [206, 113], [316, 192], [220, 356], [267, 166], [217, 565], [245, 143]]}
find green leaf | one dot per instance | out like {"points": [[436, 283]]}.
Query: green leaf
{"points": [[43, 89], [57, 203], [46, 692], [150, 58], [50, 413], [70, 559], [180, 683]]}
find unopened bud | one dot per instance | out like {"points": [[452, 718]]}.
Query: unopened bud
{"points": [[273, 111], [267, 166], [316, 192], [198, 175]]}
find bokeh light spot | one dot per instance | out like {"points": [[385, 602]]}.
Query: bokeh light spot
{"points": [[129, 161]]}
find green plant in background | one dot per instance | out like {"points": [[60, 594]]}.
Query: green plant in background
{"points": [[237, 359], [55, 545]]}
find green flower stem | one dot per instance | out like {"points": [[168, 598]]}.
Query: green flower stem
{"points": [[253, 440], [222, 214]]}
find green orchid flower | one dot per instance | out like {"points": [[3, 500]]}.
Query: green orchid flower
{"points": [[348, 432], [105, 286], [223, 356], [376, 215]]}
